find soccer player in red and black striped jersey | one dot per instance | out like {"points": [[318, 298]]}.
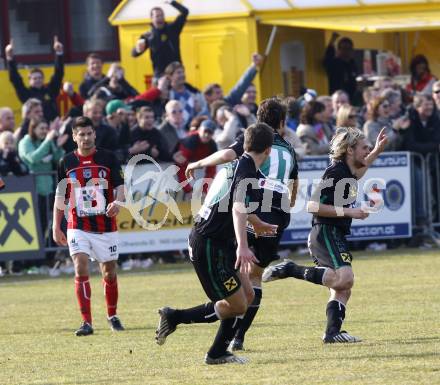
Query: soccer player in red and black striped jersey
{"points": [[87, 180]]}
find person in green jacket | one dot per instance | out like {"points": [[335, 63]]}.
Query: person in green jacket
{"points": [[40, 150]]}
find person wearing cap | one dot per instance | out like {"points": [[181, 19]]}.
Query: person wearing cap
{"points": [[197, 145], [116, 117]]}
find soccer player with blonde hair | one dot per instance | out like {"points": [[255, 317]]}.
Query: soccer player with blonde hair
{"points": [[333, 207]]}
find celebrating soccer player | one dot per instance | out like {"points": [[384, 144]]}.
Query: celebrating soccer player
{"points": [[87, 178], [333, 208], [214, 254]]}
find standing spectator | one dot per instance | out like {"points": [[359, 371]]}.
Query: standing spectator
{"points": [[380, 117], [32, 109], [311, 130], [163, 39], [9, 160], [47, 94], [249, 99], [7, 120], [93, 75], [114, 85], [173, 127], [421, 78], [147, 139], [40, 150], [346, 117], [198, 145], [116, 111], [340, 66], [191, 99]]}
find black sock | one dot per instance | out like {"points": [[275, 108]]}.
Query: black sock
{"points": [[335, 316], [250, 314], [307, 273], [223, 338], [200, 314]]}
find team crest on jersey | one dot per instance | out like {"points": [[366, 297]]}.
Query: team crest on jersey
{"points": [[87, 173], [72, 175], [230, 284], [102, 173]]}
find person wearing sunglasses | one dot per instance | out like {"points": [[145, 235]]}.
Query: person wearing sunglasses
{"points": [[379, 118]]}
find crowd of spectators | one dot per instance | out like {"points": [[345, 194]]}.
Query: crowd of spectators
{"points": [[173, 121]]}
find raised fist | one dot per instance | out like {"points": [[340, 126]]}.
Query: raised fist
{"points": [[57, 45], [9, 50], [257, 59]]}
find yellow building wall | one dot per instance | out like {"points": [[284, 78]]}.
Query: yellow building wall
{"points": [[73, 73], [212, 51]]}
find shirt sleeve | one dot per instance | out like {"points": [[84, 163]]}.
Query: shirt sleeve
{"points": [[237, 146], [246, 189], [294, 172]]}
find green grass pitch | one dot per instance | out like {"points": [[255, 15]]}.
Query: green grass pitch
{"points": [[395, 308]]}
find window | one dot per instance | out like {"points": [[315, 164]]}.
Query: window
{"points": [[81, 25]]}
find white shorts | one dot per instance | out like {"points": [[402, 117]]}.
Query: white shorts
{"points": [[102, 247]]}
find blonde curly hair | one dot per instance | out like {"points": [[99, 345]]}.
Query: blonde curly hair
{"points": [[344, 138]]}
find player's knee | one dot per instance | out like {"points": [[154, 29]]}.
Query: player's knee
{"points": [[238, 309], [346, 281]]}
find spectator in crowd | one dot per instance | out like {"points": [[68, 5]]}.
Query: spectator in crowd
{"points": [[32, 109], [249, 99], [421, 78], [368, 94], [423, 134], [106, 136], [197, 145], [213, 92], [340, 65], [229, 124], [9, 160], [327, 116], [436, 94], [40, 150], [311, 129], [347, 116], [196, 122], [114, 85], [116, 117], [147, 139], [93, 75], [380, 117], [163, 39], [173, 127], [190, 98], [394, 97], [7, 120], [383, 83], [339, 98], [47, 94], [293, 113]]}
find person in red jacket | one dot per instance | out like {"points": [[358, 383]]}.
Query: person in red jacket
{"points": [[197, 145]]}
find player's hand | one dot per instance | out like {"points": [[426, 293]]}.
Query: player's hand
{"points": [[9, 50], [141, 45], [263, 228], [57, 45], [112, 209], [189, 172], [381, 141], [242, 110], [245, 259], [59, 237], [357, 213]]}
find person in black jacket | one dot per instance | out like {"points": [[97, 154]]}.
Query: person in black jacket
{"points": [[163, 38], [47, 93], [94, 75], [340, 66], [9, 160]]}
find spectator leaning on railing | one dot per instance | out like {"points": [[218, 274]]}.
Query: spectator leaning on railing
{"points": [[47, 94]]}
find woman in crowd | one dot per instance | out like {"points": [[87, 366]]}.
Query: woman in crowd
{"points": [[421, 77]]}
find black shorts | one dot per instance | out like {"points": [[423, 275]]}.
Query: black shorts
{"points": [[266, 248], [214, 261], [328, 246]]}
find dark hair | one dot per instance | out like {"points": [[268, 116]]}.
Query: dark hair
{"points": [[172, 67], [93, 55], [197, 121], [416, 60], [309, 110], [35, 70], [215, 106], [143, 109], [345, 40], [374, 107], [209, 89], [272, 111], [155, 9], [33, 124], [82, 121], [258, 137]]}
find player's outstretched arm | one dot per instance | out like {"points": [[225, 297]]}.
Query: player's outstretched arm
{"points": [[245, 257], [260, 227], [223, 156], [381, 142], [329, 211]]}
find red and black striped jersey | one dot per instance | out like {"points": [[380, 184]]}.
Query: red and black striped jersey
{"points": [[90, 183]]}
